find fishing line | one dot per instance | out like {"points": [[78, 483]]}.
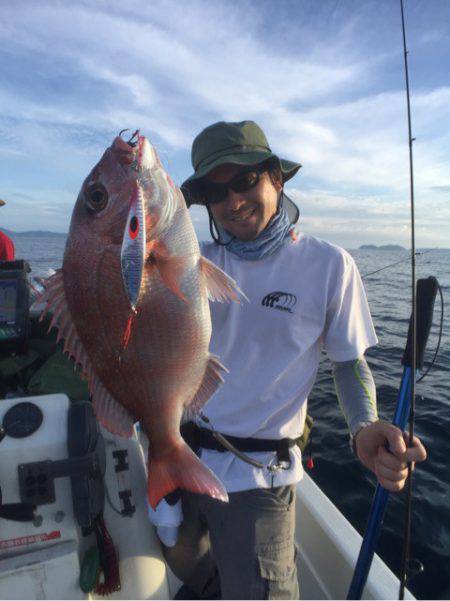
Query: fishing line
{"points": [[418, 253]]}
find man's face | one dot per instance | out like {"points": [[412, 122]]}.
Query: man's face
{"points": [[244, 214]]}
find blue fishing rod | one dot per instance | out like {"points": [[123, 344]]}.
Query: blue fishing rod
{"points": [[422, 302], [426, 294]]}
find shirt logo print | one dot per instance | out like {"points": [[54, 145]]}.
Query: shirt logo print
{"points": [[283, 301]]}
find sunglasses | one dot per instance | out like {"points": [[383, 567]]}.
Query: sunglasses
{"points": [[243, 181]]}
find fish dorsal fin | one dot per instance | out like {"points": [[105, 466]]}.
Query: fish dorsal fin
{"points": [[211, 381], [55, 305], [110, 414], [219, 286]]}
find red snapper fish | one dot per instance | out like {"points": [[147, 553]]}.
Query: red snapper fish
{"points": [[131, 304]]}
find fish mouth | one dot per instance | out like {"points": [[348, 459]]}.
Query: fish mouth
{"points": [[124, 152], [136, 152]]}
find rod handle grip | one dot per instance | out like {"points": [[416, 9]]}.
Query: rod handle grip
{"points": [[425, 297]]}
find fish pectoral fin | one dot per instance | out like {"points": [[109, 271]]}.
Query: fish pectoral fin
{"points": [[171, 267], [212, 379], [219, 286], [112, 416]]}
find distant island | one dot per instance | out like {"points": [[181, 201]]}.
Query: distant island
{"points": [[34, 233], [383, 247]]}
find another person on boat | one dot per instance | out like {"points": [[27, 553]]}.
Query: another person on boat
{"points": [[305, 295], [6, 244]]}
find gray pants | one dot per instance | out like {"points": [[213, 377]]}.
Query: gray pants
{"points": [[246, 547]]}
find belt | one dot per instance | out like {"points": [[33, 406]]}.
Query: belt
{"points": [[198, 437]]}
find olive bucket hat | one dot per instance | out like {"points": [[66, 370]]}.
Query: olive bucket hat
{"points": [[240, 143]]}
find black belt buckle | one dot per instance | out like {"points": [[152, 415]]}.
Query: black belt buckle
{"points": [[284, 461]]}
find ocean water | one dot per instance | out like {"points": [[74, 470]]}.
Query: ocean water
{"points": [[336, 471]]}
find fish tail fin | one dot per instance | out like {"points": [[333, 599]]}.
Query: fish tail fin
{"points": [[181, 468]]}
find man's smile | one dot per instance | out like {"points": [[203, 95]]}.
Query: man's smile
{"points": [[242, 215]]}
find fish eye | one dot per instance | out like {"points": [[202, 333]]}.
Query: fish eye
{"points": [[96, 197]]}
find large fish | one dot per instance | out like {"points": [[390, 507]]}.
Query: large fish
{"points": [[131, 304]]}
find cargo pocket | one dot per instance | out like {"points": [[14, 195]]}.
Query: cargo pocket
{"points": [[278, 569]]}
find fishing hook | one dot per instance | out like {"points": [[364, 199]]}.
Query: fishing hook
{"points": [[130, 141]]}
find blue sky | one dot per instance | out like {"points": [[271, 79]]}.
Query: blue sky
{"points": [[323, 78]]}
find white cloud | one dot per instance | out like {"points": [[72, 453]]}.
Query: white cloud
{"points": [[355, 220], [81, 71]]}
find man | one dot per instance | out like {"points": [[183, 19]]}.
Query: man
{"points": [[6, 244], [305, 295]]}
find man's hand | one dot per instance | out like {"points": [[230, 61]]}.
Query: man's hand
{"points": [[390, 467]]}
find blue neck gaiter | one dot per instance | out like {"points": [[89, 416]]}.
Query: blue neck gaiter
{"points": [[269, 240]]}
